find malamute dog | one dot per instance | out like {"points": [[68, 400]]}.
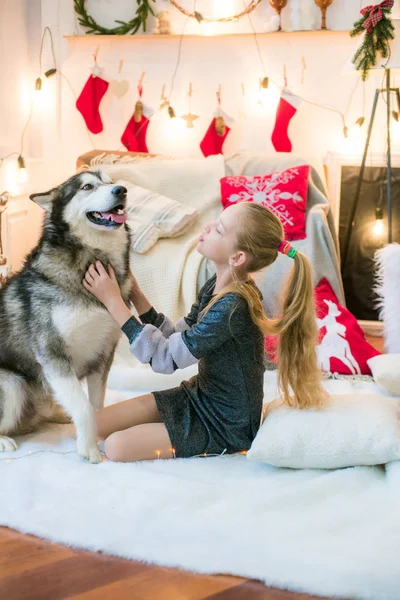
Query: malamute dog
{"points": [[53, 332]]}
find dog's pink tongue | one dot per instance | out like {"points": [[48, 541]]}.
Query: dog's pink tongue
{"points": [[113, 217]]}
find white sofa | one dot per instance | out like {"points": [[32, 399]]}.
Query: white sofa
{"points": [[172, 271]]}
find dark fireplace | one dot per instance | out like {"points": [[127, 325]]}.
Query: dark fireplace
{"points": [[367, 235]]}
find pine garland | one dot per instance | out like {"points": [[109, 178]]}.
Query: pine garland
{"points": [[124, 28], [378, 28]]}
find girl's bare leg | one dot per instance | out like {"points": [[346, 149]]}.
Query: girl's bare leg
{"points": [[141, 442], [124, 415], [133, 430]]}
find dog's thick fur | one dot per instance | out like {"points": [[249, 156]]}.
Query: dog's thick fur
{"points": [[53, 332]]}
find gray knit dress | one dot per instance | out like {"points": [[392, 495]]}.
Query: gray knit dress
{"points": [[220, 408]]}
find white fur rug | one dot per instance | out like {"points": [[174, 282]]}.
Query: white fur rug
{"points": [[333, 533]]}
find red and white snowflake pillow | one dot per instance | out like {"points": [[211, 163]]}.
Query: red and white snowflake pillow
{"points": [[283, 192], [342, 345]]}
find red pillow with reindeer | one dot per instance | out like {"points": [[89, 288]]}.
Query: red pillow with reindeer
{"points": [[284, 193], [342, 345]]}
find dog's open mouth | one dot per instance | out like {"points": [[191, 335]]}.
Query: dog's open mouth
{"points": [[113, 218]]}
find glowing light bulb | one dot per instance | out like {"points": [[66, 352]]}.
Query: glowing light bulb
{"points": [[22, 176], [354, 136], [378, 227], [263, 98], [22, 172], [268, 97], [175, 127], [395, 126]]}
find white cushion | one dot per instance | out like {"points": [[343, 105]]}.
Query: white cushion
{"points": [[350, 430], [152, 216], [386, 372], [192, 181]]}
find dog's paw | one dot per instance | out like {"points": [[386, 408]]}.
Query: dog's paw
{"points": [[7, 444], [90, 453]]}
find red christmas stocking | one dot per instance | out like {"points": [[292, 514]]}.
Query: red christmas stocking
{"points": [[216, 134], [89, 101], [134, 136], [287, 107]]}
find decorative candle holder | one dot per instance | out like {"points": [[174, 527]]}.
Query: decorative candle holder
{"points": [[278, 5], [323, 4]]}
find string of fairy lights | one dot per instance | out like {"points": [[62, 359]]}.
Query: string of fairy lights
{"points": [[265, 79], [157, 453], [264, 83], [38, 85]]}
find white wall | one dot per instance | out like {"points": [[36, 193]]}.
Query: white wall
{"points": [[20, 23], [205, 61], [19, 43]]}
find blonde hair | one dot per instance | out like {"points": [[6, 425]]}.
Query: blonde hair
{"points": [[259, 235]]}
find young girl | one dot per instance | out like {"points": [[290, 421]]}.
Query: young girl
{"points": [[219, 410]]}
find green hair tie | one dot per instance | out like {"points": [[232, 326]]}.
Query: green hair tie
{"points": [[286, 248]]}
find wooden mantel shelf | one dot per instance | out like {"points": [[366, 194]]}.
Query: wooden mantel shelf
{"points": [[149, 36]]}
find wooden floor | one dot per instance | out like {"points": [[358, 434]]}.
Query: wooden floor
{"points": [[34, 569]]}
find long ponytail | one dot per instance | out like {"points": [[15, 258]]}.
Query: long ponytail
{"points": [[299, 378]]}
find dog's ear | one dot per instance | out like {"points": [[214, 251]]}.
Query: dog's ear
{"points": [[45, 199]]}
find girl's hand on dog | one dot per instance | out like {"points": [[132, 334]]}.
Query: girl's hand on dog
{"points": [[136, 291], [102, 284], [137, 297]]}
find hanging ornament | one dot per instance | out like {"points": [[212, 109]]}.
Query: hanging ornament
{"points": [[189, 117], [379, 30], [287, 108], [217, 131], [119, 88], [89, 100], [134, 136], [263, 91]]}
